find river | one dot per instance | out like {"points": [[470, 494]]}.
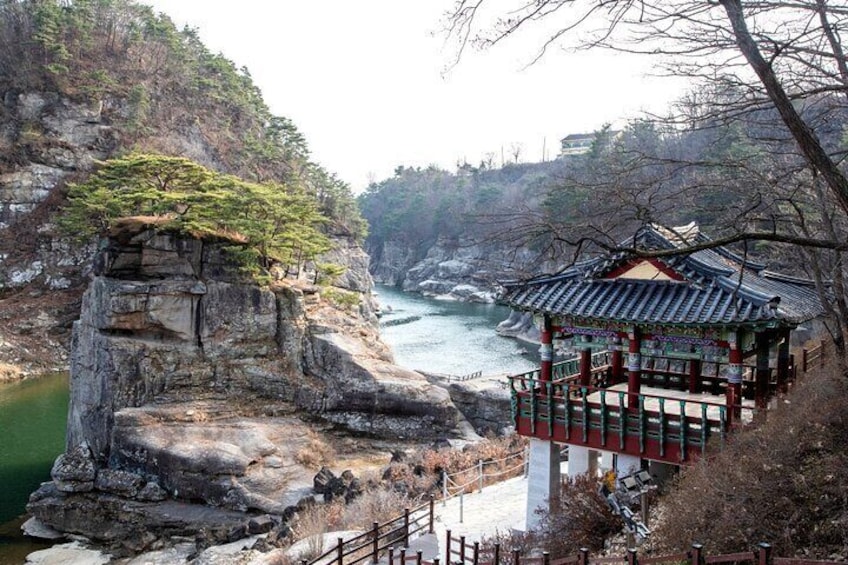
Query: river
{"points": [[33, 415], [456, 338]]}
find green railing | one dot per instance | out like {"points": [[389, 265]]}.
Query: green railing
{"points": [[671, 428]]}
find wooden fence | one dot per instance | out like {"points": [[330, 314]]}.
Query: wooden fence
{"points": [[813, 357], [381, 539], [459, 552]]}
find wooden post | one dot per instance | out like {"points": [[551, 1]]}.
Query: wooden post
{"points": [[762, 374], [546, 558], [634, 369], [804, 360], [516, 557], [391, 556], [546, 349], [476, 552], [340, 551], [496, 560], [448, 547], [585, 366], [375, 543], [462, 549], [734, 382], [632, 558], [436, 561], [583, 557], [696, 555], [763, 554], [617, 366], [694, 376], [418, 555], [403, 556], [432, 512], [406, 527], [783, 361]]}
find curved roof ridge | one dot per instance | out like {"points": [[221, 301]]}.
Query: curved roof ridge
{"points": [[774, 275], [744, 291]]}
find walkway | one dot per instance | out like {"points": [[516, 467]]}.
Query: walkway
{"points": [[498, 508]]}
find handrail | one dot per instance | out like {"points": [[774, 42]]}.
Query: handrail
{"points": [[472, 554], [371, 538]]}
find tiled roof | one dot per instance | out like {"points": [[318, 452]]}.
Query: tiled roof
{"points": [[720, 289]]}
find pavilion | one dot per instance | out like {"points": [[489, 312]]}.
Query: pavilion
{"points": [[706, 336]]}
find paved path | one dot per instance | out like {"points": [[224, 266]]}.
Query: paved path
{"points": [[498, 508]]}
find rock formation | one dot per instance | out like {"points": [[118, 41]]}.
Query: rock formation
{"points": [[189, 383], [457, 270]]}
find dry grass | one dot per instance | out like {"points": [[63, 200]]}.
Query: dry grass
{"points": [[316, 453], [421, 473], [9, 373]]}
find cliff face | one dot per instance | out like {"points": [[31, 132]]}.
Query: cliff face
{"points": [[454, 269], [188, 377]]}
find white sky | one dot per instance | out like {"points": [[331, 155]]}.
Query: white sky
{"points": [[364, 82]]}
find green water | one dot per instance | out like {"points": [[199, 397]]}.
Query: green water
{"points": [[33, 415]]}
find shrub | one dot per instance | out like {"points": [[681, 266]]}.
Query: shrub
{"points": [[780, 482], [580, 519]]}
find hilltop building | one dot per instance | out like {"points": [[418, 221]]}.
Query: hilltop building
{"points": [[674, 352], [580, 143]]}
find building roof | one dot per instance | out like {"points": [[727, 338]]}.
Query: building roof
{"points": [[578, 136], [710, 287]]}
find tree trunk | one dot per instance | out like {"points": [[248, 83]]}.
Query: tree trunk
{"points": [[805, 137]]}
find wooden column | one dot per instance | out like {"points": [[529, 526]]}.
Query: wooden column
{"points": [[694, 376], [761, 375], [586, 364], [617, 365], [783, 376], [734, 381], [546, 350], [634, 368]]}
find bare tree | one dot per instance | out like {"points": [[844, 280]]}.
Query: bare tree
{"points": [[771, 52], [770, 108]]}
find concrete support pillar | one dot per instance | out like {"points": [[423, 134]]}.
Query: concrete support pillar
{"points": [[634, 369], [543, 478], [578, 460], [626, 464], [594, 456], [546, 350], [606, 460], [783, 376], [734, 382]]}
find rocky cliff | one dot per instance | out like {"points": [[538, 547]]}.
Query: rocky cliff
{"points": [[190, 383], [452, 269]]}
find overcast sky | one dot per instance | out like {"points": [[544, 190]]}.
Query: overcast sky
{"points": [[365, 82]]}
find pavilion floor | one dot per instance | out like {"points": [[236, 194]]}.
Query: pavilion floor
{"points": [[693, 402]]}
